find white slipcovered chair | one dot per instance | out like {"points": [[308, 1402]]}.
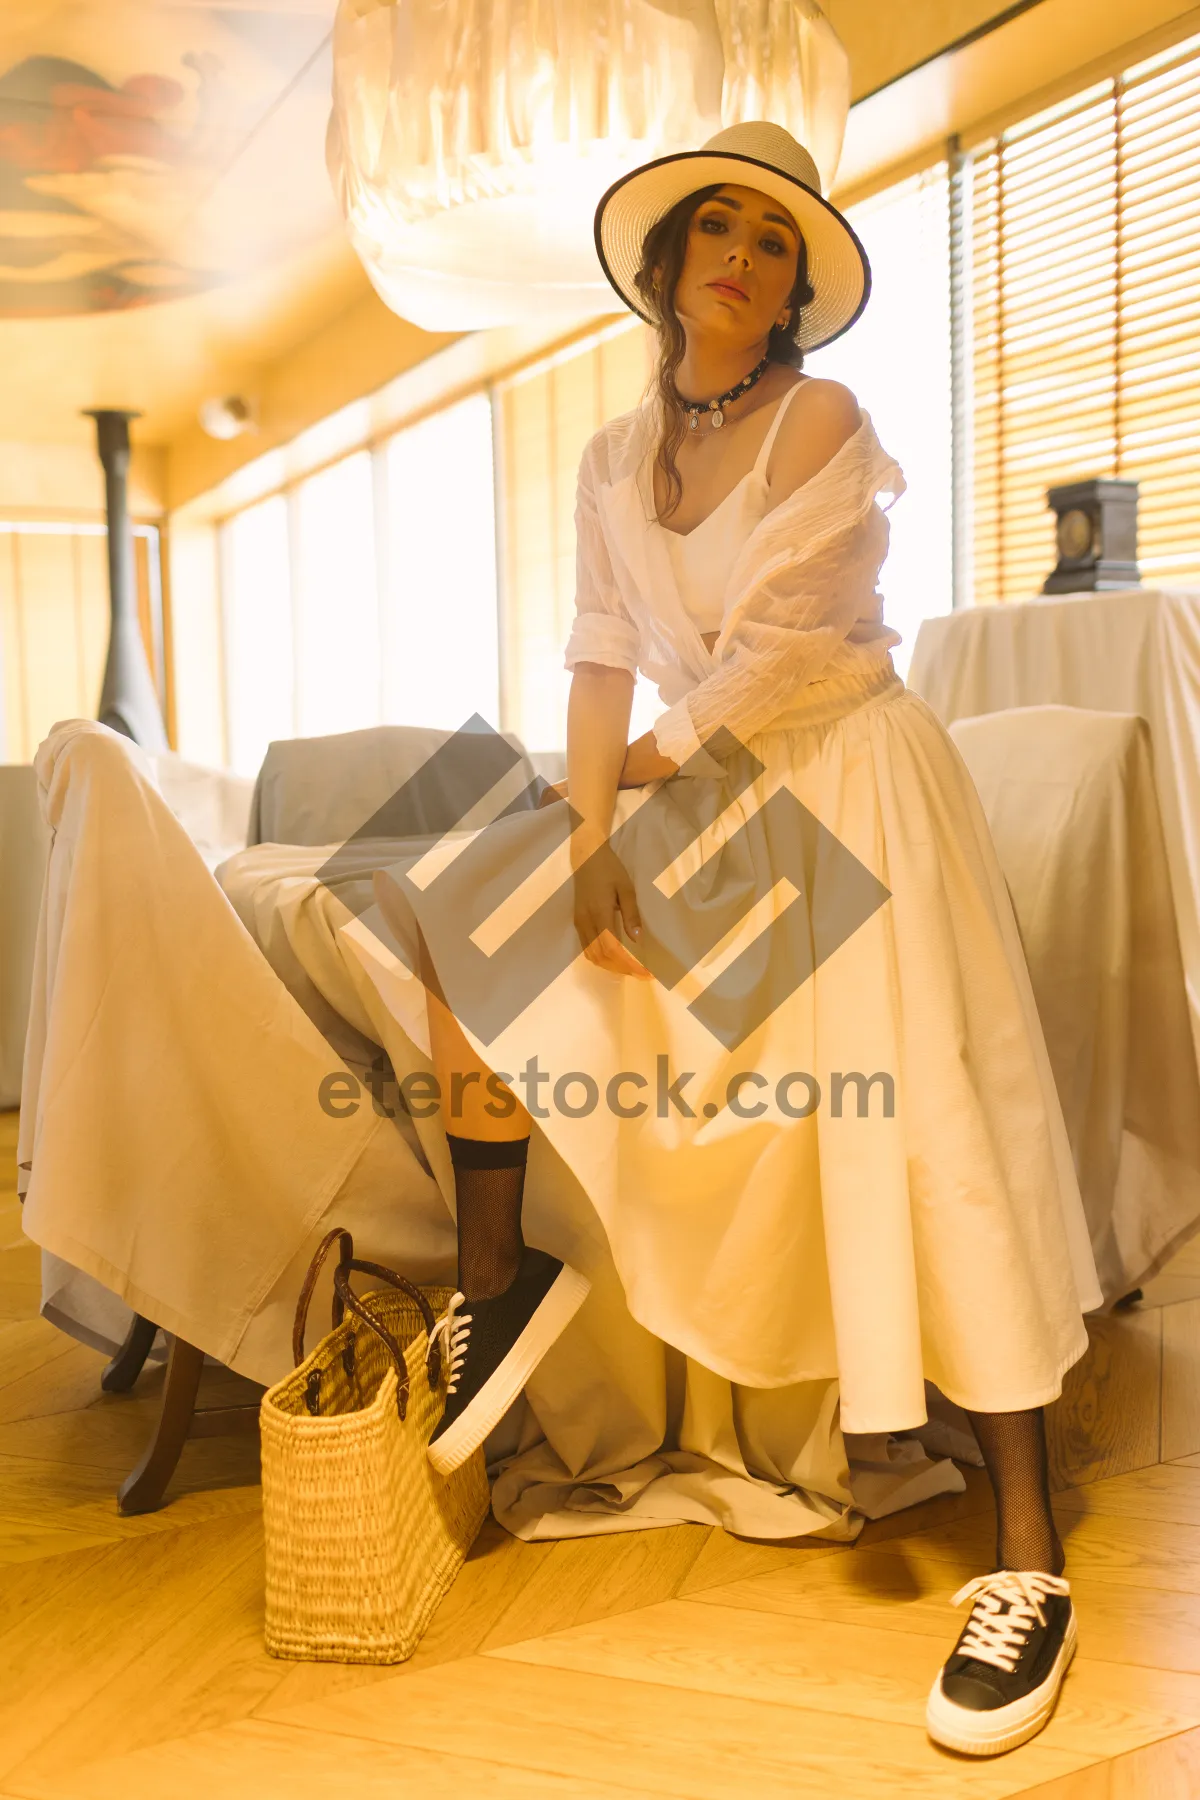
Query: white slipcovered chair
{"points": [[1070, 797]]}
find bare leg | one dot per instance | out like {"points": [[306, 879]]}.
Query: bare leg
{"points": [[1014, 1450], [463, 1083], [487, 1130]]}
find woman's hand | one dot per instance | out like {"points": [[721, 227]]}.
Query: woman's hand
{"points": [[644, 761], [604, 893]]}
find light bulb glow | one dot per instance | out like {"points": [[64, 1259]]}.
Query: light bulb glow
{"points": [[471, 140]]}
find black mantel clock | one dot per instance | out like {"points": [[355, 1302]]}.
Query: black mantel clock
{"points": [[1097, 536]]}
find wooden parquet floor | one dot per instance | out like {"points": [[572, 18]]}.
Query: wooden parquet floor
{"points": [[672, 1663]]}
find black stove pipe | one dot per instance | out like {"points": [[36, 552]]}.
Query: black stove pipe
{"points": [[128, 700]]}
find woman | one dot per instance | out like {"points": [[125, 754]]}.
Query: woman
{"points": [[729, 543]]}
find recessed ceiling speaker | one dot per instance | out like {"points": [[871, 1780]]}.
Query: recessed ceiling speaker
{"points": [[227, 417]]}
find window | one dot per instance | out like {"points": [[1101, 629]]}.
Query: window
{"points": [[545, 416], [441, 657], [54, 625], [336, 600], [897, 361], [1083, 249], [257, 611], [366, 594]]}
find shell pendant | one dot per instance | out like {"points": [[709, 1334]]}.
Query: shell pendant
{"points": [[718, 419]]}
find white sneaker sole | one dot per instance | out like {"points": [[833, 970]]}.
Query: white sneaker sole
{"points": [[565, 1295], [992, 1733]]}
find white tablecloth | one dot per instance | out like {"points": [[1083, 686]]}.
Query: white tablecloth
{"points": [[1069, 796], [1131, 652]]}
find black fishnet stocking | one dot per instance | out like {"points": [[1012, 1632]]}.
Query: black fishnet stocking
{"points": [[489, 1185], [1014, 1452]]}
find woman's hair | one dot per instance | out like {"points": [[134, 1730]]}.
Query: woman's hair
{"points": [[665, 246]]}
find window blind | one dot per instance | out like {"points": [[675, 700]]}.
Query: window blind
{"points": [[1084, 316], [544, 417]]}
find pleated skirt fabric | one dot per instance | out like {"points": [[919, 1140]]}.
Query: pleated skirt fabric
{"points": [[824, 1143]]}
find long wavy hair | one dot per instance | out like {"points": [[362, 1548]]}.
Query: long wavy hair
{"points": [[665, 247]]}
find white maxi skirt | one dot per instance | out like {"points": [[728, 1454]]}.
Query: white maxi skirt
{"points": [[825, 1145]]}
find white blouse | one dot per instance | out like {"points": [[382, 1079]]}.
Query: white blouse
{"points": [[801, 603]]}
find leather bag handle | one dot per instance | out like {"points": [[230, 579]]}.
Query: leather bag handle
{"points": [[350, 1302], [344, 1298], [336, 1236]]}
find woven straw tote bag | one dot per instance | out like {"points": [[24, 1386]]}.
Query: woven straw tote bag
{"points": [[363, 1536]]}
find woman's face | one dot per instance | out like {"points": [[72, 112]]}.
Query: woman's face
{"points": [[739, 266]]}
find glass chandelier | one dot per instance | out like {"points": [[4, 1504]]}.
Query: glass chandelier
{"points": [[470, 140]]}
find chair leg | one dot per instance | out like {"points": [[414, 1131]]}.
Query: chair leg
{"points": [[125, 1367], [143, 1490]]}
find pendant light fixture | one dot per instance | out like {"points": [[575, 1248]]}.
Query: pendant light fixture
{"points": [[470, 140]]}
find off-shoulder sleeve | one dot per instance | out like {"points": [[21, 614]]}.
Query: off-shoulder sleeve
{"points": [[603, 631], [805, 577]]}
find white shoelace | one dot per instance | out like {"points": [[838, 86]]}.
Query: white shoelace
{"points": [[998, 1637], [454, 1331]]}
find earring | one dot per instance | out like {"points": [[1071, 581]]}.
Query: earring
{"points": [[782, 322]]}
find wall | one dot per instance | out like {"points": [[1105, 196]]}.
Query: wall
{"points": [[65, 481], [886, 40], [358, 351]]}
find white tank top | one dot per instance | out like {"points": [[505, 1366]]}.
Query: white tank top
{"points": [[703, 557]]}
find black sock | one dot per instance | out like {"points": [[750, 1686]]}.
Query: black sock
{"points": [[1014, 1451], [489, 1185]]}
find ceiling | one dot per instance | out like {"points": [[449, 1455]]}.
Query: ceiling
{"points": [[165, 216], [167, 228]]}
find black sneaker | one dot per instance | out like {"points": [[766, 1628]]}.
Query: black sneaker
{"points": [[493, 1348], [999, 1687]]}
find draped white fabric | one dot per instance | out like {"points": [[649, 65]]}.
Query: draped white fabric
{"points": [[1069, 796], [1136, 651], [171, 1142], [181, 1162]]}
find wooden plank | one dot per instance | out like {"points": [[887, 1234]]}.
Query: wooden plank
{"points": [[1147, 1627], [977, 1498], [596, 1577], [43, 1371], [58, 1657], [1107, 1419], [256, 1761], [1140, 1553], [655, 1739], [724, 1558], [1171, 1286], [1186, 1260], [1166, 1771], [509, 1590], [20, 1281], [207, 1668], [1105, 1709], [1181, 1380], [490, 1580], [109, 1435], [40, 1501], [1167, 1493]]}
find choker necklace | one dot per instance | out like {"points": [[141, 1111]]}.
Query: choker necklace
{"points": [[694, 408]]}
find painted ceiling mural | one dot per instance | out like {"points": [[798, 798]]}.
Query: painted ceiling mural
{"points": [[152, 148]]}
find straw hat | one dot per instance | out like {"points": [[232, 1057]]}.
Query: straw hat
{"points": [[755, 154]]}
